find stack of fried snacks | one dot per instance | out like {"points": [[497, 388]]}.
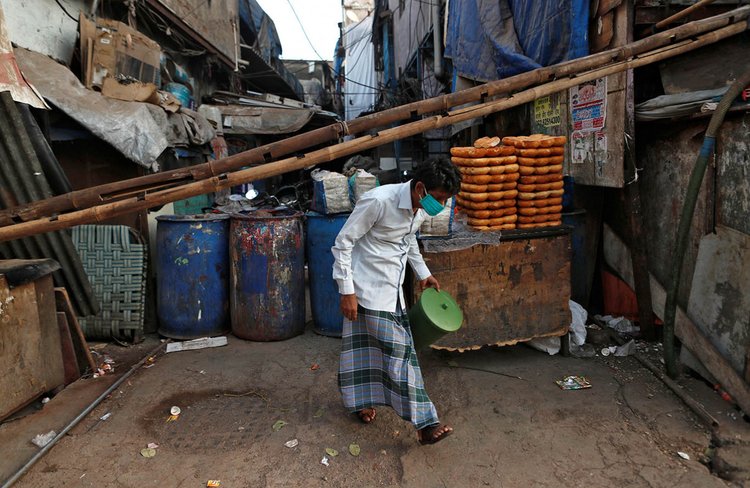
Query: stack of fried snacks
{"points": [[540, 186], [489, 176]]}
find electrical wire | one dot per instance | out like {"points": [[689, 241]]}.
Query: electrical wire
{"points": [[303, 30], [321, 57], [66, 11]]}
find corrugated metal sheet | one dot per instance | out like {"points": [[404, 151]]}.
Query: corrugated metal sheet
{"points": [[22, 180]]}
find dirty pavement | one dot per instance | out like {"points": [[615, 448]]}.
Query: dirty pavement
{"points": [[514, 426]]}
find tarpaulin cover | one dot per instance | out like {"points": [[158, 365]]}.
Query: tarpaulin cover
{"points": [[240, 119], [266, 45], [494, 39], [360, 77], [140, 131], [128, 126], [267, 40]]}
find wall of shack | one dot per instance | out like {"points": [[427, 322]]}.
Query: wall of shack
{"points": [[667, 156]]}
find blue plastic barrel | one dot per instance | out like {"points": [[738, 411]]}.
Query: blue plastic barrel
{"points": [[267, 295], [324, 294], [192, 275]]}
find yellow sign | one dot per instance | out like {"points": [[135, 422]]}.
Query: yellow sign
{"points": [[547, 112]]}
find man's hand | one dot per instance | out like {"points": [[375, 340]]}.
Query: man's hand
{"points": [[429, 282], [349, 306]]}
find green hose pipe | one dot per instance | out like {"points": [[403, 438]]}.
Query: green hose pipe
{"points": [[686, 218]]}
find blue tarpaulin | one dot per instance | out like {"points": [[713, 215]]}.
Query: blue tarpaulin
{"points": [[494, 39], [260, 24]]}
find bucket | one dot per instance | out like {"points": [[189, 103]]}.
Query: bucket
{"points": [[267, 275], [321, 234], [192, 275], [434, 315]]}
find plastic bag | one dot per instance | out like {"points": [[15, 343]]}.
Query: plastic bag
{"points": [[360, 183], [441, 224], [330, 192], [550, 345], [577, 323]]}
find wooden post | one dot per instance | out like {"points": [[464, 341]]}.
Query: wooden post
{"points": [[632, 199], [79, 341], [70, 361], [631, 196]]}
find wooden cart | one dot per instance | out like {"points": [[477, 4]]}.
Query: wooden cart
{"points": [[512, 291]]}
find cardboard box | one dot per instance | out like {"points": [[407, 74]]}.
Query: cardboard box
{"points": [[111, 49]]}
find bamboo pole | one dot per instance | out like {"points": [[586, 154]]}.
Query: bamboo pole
{"points": [[682, 13], [109, 210], [104, 194]]}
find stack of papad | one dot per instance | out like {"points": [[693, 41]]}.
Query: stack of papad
{"points": [[489, 176], [540, 184]]}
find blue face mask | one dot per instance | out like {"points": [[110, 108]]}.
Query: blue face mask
{"points": [[431, 205]]}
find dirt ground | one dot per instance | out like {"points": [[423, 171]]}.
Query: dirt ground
{"points": [[509, 432]]}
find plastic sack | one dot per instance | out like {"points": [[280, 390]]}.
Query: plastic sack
{"points": [[360, 183], [620, 324], [441, 224], [330, 192], [577, 323], [550, 345]]}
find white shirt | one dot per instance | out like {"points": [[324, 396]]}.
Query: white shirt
{"points": [[374, 245]]}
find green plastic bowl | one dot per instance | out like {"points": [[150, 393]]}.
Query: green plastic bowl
{"points": [[434, 315]]}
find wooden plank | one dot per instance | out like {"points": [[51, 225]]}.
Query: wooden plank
{"points": [[701, 347], [597, 157], [70, 363], [719, 303], [510, 292], [605, 31], [85, 360], [617, 256], [30, 357]]}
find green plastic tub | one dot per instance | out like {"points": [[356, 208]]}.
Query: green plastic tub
{"points": [[434, 315]]}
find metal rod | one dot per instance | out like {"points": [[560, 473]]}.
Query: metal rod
{"points": [[17, 475]]}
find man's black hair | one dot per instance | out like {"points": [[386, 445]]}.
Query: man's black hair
{"points": [[438, 173]]}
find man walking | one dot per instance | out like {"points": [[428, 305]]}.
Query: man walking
{"points": [[378, 361]]}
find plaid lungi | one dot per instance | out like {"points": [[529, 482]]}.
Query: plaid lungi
{"points": [[379, 367]]}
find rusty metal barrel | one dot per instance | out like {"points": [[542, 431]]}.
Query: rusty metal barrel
{"points": [[267, 275]]}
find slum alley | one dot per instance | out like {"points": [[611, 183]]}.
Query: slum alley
{"points": [[374, 243]]}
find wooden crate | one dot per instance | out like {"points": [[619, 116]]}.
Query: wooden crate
{"points": [[30, 352], [512, 291]]}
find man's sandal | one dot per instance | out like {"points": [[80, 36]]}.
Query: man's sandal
{"points": [[434, 433], [367, 415]]}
